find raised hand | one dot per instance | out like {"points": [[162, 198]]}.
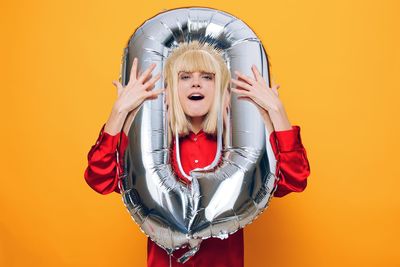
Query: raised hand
{"points": [[137, 90], [257, 91]]}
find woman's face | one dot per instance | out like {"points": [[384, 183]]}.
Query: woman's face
{"points": [[196, 92]]}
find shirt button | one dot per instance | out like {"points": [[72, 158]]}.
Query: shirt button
{"points": [[195, 139], [195, 161]]}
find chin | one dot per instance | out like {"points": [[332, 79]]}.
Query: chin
{"points": [[196, 114]]}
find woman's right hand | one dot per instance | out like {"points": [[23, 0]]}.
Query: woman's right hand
{"points": [[137, 90]]}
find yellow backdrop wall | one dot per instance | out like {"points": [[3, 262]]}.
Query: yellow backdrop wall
{"points": [[338, 64]]}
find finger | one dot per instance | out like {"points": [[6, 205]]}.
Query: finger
{"points": [[133, 73], [241, 92], [273, 84], [118, 85], [154, 93], [244, 85], [246, 78], [246, 98], [148, 78], [147, 85], [256, 73], [258, 76], [275, 88], [146, 73]]}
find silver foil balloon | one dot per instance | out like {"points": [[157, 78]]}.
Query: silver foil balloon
{"points": [[221, 198]]}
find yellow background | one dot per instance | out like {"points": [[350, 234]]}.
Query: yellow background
{"points": [[338, 66]]}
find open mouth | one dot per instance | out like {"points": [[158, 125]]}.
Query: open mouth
{"points": [[196, 97]]}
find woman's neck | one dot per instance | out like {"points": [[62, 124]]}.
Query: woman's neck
{"points": [[197, 124]]}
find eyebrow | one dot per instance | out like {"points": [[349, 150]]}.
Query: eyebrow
{"points": [[188, 72]]}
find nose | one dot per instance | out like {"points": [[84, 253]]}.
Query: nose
{"points": [[196, 80]]}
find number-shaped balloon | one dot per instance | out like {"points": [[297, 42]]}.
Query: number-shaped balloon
{"points": [[224, 197]]}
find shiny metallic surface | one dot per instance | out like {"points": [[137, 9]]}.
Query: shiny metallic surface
{"points": [[221, 198]]}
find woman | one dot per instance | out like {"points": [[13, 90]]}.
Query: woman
{"points": [[197, 79]]}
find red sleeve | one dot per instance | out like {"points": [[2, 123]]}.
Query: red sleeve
{"points": [[293, 167], [101, 173]]}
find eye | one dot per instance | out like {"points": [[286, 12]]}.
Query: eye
{"points": [[208, 77], [184, 77]]}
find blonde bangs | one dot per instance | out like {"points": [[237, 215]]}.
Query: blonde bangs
{"points": [[195, 60]]}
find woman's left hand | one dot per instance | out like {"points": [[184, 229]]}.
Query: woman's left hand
{"points": [[257, 91]]}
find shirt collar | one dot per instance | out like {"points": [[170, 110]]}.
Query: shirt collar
{"points": [[192, 135]]}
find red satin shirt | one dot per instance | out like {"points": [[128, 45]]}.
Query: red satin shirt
{"points": [[198, 150]]}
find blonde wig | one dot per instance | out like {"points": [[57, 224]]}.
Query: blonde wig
{"points": [[191, 57]]}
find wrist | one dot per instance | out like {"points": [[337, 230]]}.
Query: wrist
{"points": [[280, 119], [115, 121], [119, 111]]}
